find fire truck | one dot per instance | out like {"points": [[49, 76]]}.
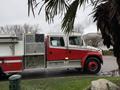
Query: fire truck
{"points": [[35, 50]]}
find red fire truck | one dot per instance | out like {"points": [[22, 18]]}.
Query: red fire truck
{"points": [[47, 51]]}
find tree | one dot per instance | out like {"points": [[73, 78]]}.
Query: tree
{"points": [[18, 30], [79, 28], [106, 14]]}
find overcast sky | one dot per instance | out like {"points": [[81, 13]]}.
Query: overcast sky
{"points": [[15, 12]]}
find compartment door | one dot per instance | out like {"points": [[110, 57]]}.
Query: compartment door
{"points": [[34, 51]]}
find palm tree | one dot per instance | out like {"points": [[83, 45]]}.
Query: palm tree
{"points": [[106, 14]]}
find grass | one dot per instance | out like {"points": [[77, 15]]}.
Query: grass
{"points": [[59, 83]]}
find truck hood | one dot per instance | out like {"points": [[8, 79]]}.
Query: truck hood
{"points": [[93, 48]]}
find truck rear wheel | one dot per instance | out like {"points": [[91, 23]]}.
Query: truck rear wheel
{"points": [[92, 65], [2, 74]]}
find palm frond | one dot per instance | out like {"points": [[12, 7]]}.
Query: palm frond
{"points": [[31, 4], [54, 7], [68, 20], [103, 22]]}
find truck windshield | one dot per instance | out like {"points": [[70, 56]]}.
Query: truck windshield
{"points": [[75, 40]]}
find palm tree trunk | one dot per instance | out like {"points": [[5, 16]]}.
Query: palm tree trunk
{"points": [[118, 62]]}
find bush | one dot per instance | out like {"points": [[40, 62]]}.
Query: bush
{"points": [[107, 52]]}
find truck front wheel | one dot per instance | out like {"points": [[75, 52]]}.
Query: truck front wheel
{"points": [[92, 65]]}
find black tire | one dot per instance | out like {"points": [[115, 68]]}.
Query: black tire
{"points": [[2, 74], [92, 65]]}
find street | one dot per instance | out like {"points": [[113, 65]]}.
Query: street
{"points": [[109, 64]]}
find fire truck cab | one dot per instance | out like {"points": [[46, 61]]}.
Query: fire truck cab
{"points": [[47, 51]]}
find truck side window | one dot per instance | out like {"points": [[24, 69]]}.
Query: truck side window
{"points": [[30, 38], [74, 40], [57, 41], [39, 37]]}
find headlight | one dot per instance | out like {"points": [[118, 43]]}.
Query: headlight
{"points": [[100, 51]]}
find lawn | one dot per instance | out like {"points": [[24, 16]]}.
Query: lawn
{"points": [[59, 83]]}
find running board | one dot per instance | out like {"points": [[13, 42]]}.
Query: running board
{"points": [[64, 64]]}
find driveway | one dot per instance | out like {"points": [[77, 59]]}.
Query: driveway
{"points": [[109, 63]]}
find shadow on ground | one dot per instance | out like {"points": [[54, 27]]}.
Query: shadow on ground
{"points": [[45, 73]]}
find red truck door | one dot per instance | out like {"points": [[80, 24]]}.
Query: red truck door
{"points": [[56, 49], [75, 52]]}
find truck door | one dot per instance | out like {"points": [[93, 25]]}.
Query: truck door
{"points": [[74, 48], [57, 49]]}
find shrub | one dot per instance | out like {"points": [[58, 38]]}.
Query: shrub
{"points": [[107, 52]]}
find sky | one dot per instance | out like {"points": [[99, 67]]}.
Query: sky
{"points": [[16, 12]]}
